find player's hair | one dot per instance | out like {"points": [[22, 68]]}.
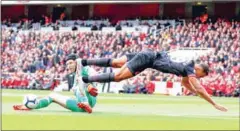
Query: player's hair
{"points": [[71, 57], [205, 68]]}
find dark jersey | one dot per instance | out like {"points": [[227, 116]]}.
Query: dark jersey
{"points": [[160, 61], [164, 64]]}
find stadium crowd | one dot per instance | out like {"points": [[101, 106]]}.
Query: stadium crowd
{"points": [[36, 59]]}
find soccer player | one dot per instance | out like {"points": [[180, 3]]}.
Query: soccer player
{"points": [[85, 93], [134, 63]]}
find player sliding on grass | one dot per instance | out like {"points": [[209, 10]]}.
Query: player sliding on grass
{"points": [[134, 63], [85, 93]]}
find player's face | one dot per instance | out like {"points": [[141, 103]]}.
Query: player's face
{"points": [[199, 72], [71, 66]]}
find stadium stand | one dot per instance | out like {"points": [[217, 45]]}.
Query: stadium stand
{"points": [[33, 53]]}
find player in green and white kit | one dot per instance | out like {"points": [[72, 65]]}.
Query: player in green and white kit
{"points": [[85, 94]]}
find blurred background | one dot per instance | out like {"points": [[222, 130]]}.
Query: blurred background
{"points": [[37, 37]]}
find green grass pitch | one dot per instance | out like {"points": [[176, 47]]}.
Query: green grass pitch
{"points": [[122, 112]]}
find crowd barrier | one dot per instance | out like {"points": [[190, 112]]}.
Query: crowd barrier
{"points": [[160, 88]]}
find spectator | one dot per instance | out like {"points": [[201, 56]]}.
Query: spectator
{"points": [[128, 87], [150, 86], [40, 51]]}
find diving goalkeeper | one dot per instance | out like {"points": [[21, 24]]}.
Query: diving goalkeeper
{"points": [[85, 94]]}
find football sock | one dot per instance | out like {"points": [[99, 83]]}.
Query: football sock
{"points": [[105, 77], [102, 62], [44, 102]]}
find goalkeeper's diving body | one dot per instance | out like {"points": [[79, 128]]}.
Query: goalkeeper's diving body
{"points": [[134, 63], [85, 94]]}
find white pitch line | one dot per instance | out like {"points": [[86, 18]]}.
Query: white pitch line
{"points": [[115, 109], [108, 97], [125, 97], [69, 113]]}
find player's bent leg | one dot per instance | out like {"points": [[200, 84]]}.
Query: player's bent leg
{"points": [[123, 73], [42, 103], [63, 101], [59, 99], [119, 62], [136, 64], [106, 62], [66, 102], [82, 99], [71, 104], [92, 100]]}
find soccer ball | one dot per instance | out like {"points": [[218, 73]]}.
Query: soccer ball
{"points": [[30, 101]]}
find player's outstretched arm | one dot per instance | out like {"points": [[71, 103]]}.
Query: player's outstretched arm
{"points": [[203, 93]]}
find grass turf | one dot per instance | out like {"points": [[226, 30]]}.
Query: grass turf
{"points": [[122, 111]]}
